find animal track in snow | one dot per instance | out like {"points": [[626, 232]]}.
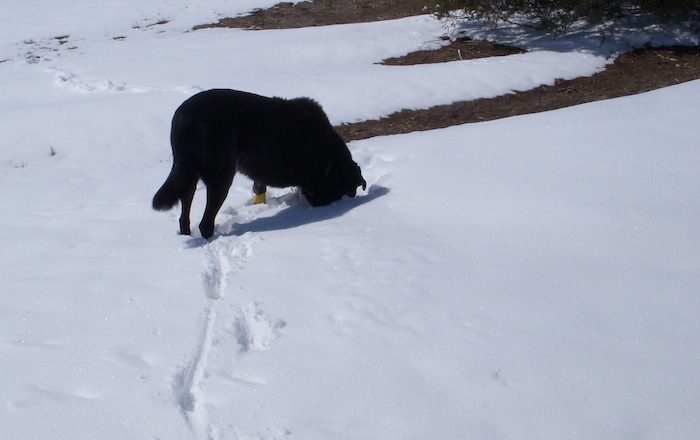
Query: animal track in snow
{"points": [[221, 260], [187, 382], [74, 82], [215, 274], [250, 330], [255, 330]]}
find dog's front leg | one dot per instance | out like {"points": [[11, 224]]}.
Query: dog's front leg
{"points": [[260, 190]]}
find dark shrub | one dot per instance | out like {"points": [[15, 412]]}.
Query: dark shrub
{"points": [[557, 15]]}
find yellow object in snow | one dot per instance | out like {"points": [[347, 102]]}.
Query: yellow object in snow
{"points": [[259, 198]]}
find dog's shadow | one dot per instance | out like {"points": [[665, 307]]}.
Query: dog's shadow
{"points": [[300, 214], [294, 215]]}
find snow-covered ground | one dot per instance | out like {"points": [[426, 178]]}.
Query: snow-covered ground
{"points": [[530, 278]]}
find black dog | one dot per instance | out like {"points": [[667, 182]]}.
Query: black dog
{"points": [[274, 141]]}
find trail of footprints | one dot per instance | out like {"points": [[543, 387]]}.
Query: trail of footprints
{"points": [[76, 83], [248, 327], [229, 330]]}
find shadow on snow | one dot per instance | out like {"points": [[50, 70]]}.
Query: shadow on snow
{"points": [[295, 215]]}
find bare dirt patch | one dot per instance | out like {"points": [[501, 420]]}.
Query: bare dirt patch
{"points": [[323, 12], [631, 73], [635, 72], [458, 50]]}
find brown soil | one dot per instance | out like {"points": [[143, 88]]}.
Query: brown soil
{"points": [[322, 13], [631, 73], [635, 72], [462, 49]]}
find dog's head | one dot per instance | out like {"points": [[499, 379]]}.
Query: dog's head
{"points": [[340, 179]]}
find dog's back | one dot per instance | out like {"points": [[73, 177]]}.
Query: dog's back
{"points": [[270, 139]]}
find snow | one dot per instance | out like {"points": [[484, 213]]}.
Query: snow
{"points": [[40, 19], [532, 277]]}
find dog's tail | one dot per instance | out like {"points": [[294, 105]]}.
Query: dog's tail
{"points": [[174, 187]]}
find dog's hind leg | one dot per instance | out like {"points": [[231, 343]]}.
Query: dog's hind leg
{"points": [[217, 190], [260, 190], [186, 202]]}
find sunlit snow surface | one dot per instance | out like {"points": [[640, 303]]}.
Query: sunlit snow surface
{"points": [[530, 278]]}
